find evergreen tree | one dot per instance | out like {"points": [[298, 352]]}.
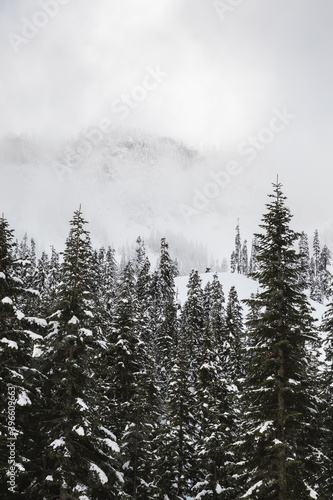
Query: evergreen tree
{"points": [[215, 418], [140, 252], [19, 379], [192, 320], [280, 428], [80, 453], [176, 467], [244, 260], [253, 266], [315, 282], [164, 314], [236, 256], [233, 339], [50, 286], [325, 275], [130, 369], [326, 480], [304, 258]]}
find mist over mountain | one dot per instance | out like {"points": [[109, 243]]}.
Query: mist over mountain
{"points": [[132, 183]]}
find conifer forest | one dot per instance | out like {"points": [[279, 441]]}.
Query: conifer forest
{"points": [[114, 389]]}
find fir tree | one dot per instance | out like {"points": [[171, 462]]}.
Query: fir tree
{"points": [[280, 428], [192, 320], [304, 258], [244, 260], [80, 454], [326, 480], [19, 379], [325, 275], [233, 339], [315, 282], [215, 418], [176, 467], [253, 266]]}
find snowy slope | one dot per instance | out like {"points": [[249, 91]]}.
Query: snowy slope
{"points": [[244, 286]]}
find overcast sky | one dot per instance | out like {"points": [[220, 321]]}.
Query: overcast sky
{"points": [[222, 71]]}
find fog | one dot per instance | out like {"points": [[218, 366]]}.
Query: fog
{"points": [[210, 77]]}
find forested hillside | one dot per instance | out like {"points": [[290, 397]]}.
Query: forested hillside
{"points": [[118, 386]]}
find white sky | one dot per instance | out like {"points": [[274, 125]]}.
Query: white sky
{"points": [[225, 77]]}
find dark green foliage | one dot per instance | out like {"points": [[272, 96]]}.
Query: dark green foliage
{"points": [[80, 456], [19, 380], [280, 434]]}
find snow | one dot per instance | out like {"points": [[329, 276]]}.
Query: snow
{"points": [[89, 313], [16, 374], [244, 286], [19, 314], [109, 433], [10, 343], [37, 321], [102, 476], [85, 332], [23, 399], [294, 382], [111, 444], [2, 276], [79, 430], [57, 443], [218, 489], [264, 426], [7, 300], [252, 489], [33, 335], [313, 494], [120, 476], [73, 321], [49, 478], [82, 403]]}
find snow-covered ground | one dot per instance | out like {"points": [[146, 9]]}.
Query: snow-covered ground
{"points": [[244, 286]]}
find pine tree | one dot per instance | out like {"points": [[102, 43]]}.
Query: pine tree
{"points": [[140, 252], [176, 467], [236, 256], [326, 480], [131, 382], [233, 339], [281, 409], [325, 275], [253, 266], [244, 260], [192, 319], [19, 379], [164, 314], [80, 453], [304, 258], [53, 278], [315, 284], [215, 416]]}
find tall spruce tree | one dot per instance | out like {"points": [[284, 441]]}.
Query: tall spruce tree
{"points": [[214, 414], [326, 479], [80, 454], [176, 466], [280, 434], [20, 381]]}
